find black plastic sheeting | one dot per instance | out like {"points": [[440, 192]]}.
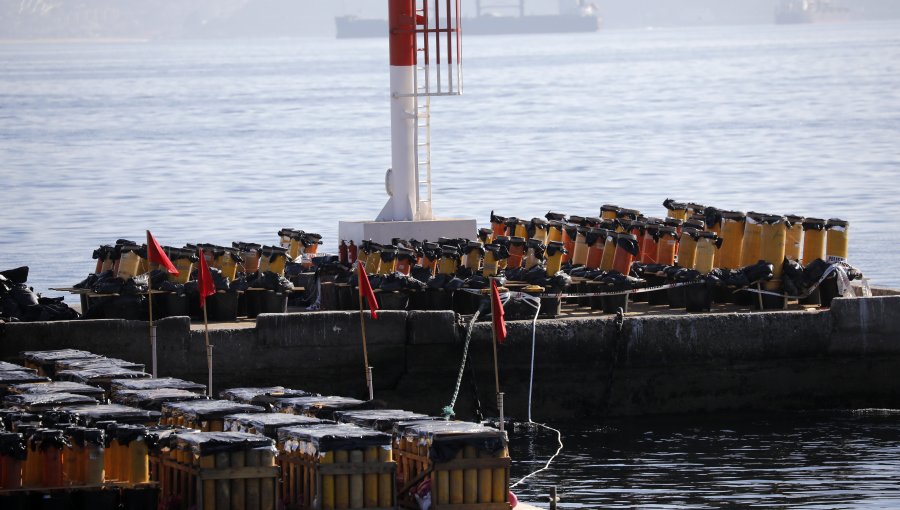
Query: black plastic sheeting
{"points": [[91, 415], [210, 443], [20, 377], [264, 395], [83, 436], [379, 419], [49, 357], [206, 409], [447, 438], [76, 364], [60, 387], [7, 367], [155, 384], [125, 434], [9, 417], [12, 445], [153, 399], [19, 302], [99, 374], [43, 439], [332, 437], [35, 401], [320, 407], [268, 424], [165, 437]]}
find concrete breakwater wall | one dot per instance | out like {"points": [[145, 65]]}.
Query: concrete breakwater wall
{"points": [[844, 357]]}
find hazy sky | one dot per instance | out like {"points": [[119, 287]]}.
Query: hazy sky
{"points": [[190, 18]]}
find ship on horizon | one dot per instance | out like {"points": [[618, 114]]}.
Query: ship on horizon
{"points": [[791, 12], [497, 18]]}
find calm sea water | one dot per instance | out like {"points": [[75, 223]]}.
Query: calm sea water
{"points": [[793, 461], [232, 140]]}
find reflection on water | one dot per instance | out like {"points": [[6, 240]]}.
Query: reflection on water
{"points": [[810, 461]]}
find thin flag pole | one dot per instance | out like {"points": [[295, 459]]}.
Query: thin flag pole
{"points": [[362, 327], [152, 326], [496, 365], [209, 369]]}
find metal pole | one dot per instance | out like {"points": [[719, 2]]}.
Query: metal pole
{"points": [[209, 370], [152, 327], [362, 327], [496, 365], [553, 498]]}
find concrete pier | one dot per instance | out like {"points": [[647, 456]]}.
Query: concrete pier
{"points": [[844, 357]]}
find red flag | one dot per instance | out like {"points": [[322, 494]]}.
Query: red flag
{"points": [[497, 311], [156, 254], [365, 288], [204, 281]]}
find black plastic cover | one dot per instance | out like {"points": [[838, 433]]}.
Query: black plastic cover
{"points": [[155, 384], [20, 377], [35, 401], [60, 387], [262, 395], [332, 437], [7, 367], [268, 424], [43, 357], [447, 438], [153, 399], [100, 374], [379, 419], [13, 445], [81, 364], [208, 409], [93, 415], [320, 407], [211, 443]]}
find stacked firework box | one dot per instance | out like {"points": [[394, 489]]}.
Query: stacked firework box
{"points": [[336, 466], [466, 464]]}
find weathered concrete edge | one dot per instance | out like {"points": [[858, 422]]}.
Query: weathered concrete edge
{"points": [[653, 364]]}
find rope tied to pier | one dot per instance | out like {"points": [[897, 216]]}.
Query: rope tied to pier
{"points": [[535, 303]]}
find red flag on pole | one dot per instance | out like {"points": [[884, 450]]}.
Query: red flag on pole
{"points": [[497, 311], [156, 254], [204, 281], [365, 288]]}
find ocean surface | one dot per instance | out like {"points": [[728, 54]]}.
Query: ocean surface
{"points": [[221, 141]]}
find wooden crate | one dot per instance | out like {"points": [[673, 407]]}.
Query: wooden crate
{"points": [[219, 470], [466, 463], [336, 466]]}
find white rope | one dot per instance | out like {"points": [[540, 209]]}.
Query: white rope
{"points": [[549, 461], [536, 304], [537, 311]]}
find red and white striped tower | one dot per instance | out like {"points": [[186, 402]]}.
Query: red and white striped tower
{"points": [[422, 33], [424, 63], [401, 180]]}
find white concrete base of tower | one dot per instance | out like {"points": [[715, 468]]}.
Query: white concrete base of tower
{"points": [[384, 231]]}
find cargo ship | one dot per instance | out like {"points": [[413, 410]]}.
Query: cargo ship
{"points": [[791, 12], [495, 19]]}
